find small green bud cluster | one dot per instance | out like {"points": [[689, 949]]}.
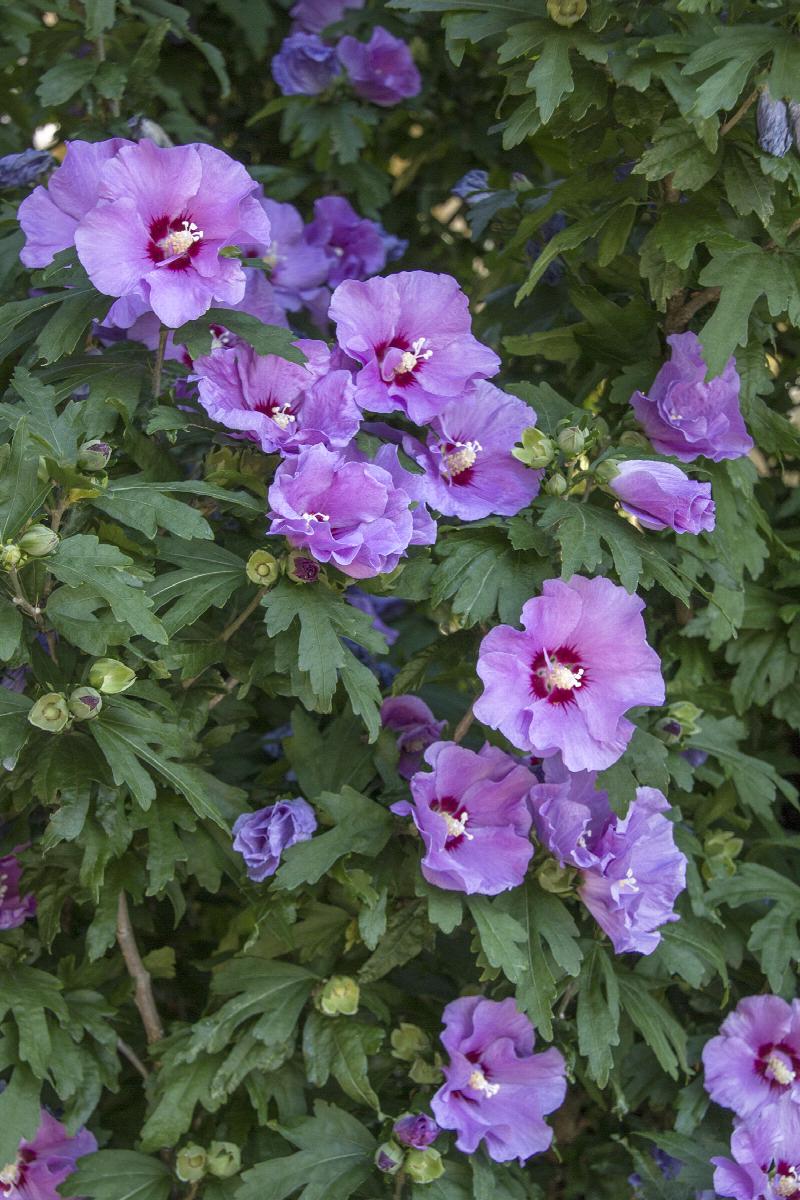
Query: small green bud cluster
{"points": [[54, 711], [36, 542], [221, 1159], [339, 997], [421, 1166]]}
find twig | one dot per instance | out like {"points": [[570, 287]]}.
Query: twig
{"points": [[399, 1184], [133, 1058], [678, 317], [462, 728], [740, 112], [21, 600], [193, 1190], [138, 972], [159, 362]]}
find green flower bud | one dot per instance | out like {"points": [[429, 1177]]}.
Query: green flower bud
{"points": [[556, 485], [687, 714], [571, 441], [10, 556], [566, 12], [424, 1072], [38, 541], [423, 1166], [85, 703], [262, 567], [224, 1159], [409, 1041], [556, 879], [721, 849], [190, 1165], [110, 676], [302, 568], [94, 455], [537, 449], [606, 470], [389, 1158], [50, 712], [339, 997]]}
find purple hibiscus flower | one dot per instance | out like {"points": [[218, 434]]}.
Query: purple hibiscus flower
{"points": [[315, 15], [50, 215], [418, 1131], [274, 402], [684, 416], [496, 1089], [753, 1065], [44, 1163], [765, 1164], [772, 123], [411, 335], [469, 469], [473, 187], [661, 496], [473, 816], [416, 729], [380, 70], [298, 269], [354, 246], [164, 216], [342, 510], [632, 871], [15, 909], [261, 837], [304, 65], [565, 681]]}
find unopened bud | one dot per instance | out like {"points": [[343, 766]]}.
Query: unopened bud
{"points": [[10, 556], [110, 676], [50, 712], [409, 1041], [566, 12], [606, 470], [772, 123], [537, 449], [423, 1166], [190, 1164], [85, 703], [301, 568], [685, 715], [262, 567], [389, 1158], [558, 880], [94, 455], [556, 485], [339, 997], [38, 541], [224, 1159], [571, 441]]}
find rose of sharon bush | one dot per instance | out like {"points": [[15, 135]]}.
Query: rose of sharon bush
{"points": [[564, 682], [473, 816], [496, 1089], [411, 335], [684, 416], [45, 1162], [261, 837], [155, 236], [380, 70], [631, 869], [660, 496]]}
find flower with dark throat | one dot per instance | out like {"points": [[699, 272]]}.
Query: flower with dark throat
{"points": [[15, 908], [496, 1089], [42, 1164], [565, 681], [416, 728], [765, 1163]]}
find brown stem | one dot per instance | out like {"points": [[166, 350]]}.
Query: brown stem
{"points": [[740, 112], [462, 728], [143, 993], [193, 1190], [21, 601], [133, 1058], [399, 1184], [679, 317], [159, 362]]}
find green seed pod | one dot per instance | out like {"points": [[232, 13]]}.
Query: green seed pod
{"points": [[566, 12], [571, 441], [190, 1165], [85, 703], [423, 1166], [409, 1041], [110, 676], [10, 556], [389, 1158], [339, 997], [556, 879], [38, 541], [537, 449], [556, 485], [50, 712], [262, 568], [94, 455], [224, 1159]]}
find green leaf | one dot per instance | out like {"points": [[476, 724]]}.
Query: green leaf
{"points": [[206, 577], [10, 629], [180, 1087], [481, 574], [656, 1023], [360, 827], [500, 937], [84, 560], [598, 1014], [119, 1175], [100, 15], [551, 78], [19, 1112], [143, 505], [551, 949], [62, 81], [56, 433], [269, 993], [265, 339], [77, 308], [679, 152], [85, 620], [21, 493], [749, 190], [14, 724], [339, 1046], [406, 934]]}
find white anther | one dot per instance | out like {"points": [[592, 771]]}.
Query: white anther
{"points": [[480, 1083]]}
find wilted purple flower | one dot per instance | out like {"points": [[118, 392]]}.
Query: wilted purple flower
{"points": [[469, 468], [298, 269], [377, 607], [564, 682], [343, 511], [261, 837], [753, 1065], [20, 170], [411, 334], [684, 416], [772, 122], [416, 1130], [661, 496], [50, 215], [473, 187], [695, 758], [14, 908], [163, 218], [274, 402], [353, 246], [497, 1090], [765, 1166], [632, 871], [416, 729], [304, 65], [44, 1163], [380, 70], [315, 15], [15, 678], [473, 816]]}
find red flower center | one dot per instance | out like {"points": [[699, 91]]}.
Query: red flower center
{"points": [[557, 674], [174, 241]]}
